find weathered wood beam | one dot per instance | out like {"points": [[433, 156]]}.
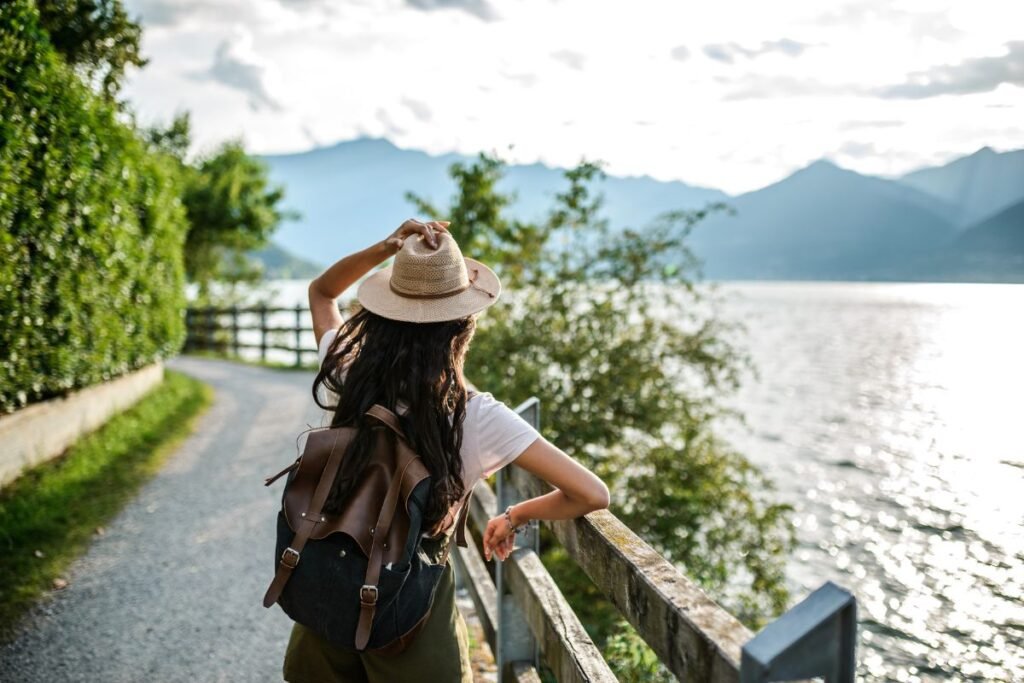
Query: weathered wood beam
{"points": [[481, 587], [523, 672], [692, 635], [566, 646]]}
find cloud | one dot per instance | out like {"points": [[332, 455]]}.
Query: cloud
{"points": [[168, 13], [480, 9], [762, 87], [236, 65], [978, 74], [524, 79], [858, 150], [728, 52], [680, 53], [860, 125], [573, 60], [859, 15], [161, 12], [390, 127], [418, 109]]}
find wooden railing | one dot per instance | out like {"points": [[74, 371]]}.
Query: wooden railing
{"points": [[527, 620], [237, 329]]}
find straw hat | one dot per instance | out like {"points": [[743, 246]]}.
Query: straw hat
{"points": [[426, 285]]}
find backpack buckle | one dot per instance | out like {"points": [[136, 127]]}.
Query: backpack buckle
{"points": [[368, 587], [290, 552]]}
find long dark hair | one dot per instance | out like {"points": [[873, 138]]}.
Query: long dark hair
{"points": [[418, 363]]}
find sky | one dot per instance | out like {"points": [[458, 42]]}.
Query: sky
{"points": [[727, 94]]}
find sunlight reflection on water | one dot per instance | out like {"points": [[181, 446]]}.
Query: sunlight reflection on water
{"points": [[890, 416]]}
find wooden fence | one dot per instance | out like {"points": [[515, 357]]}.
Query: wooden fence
{"points": [[229, 330], [527, 620]]}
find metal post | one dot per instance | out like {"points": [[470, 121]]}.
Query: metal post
{"points": [[515, 641], [816, 638], [263, 333], [298, 335]]}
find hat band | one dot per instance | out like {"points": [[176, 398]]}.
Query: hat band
{"points": [[441, 295]]}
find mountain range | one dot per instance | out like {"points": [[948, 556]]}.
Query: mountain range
{"points": [[960, 221]]}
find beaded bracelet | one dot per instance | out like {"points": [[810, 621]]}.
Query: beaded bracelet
{"points": [[529, 524]]}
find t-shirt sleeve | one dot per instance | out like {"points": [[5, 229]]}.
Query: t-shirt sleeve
{"points": [[325, 342], [503, 434], [326, 396]]}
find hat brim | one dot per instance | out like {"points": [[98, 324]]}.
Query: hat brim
{"points": [[376, 295]]}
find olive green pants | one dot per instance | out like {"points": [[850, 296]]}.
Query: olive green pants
{"points": [[439, 652]]}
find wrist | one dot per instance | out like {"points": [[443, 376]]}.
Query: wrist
{"points": [[518, 519], [384, 250]]}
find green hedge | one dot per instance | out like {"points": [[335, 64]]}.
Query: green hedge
{"points": [[91, 228]]}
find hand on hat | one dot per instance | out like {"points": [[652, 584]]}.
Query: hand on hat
{"points": [[413, 226]]}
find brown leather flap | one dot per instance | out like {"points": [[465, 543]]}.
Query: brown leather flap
{"points": [[392, 457]]}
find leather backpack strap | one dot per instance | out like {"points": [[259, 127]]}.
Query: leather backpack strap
{"points": [[460, 523], [368, 592], [387, 417], [290, 556], [460, 527]]}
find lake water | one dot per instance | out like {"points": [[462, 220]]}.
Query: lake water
{"points": [[890, 416]]}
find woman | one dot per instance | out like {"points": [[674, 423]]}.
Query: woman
{"points": [[405, 349]]}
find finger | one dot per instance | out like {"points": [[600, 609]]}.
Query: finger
{"points": [[428, 232]]}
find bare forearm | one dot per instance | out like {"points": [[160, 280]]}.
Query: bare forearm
{"points": [[551, 505], [346, 271]]}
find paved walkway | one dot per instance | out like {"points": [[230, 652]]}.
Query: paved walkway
{"points": [[173, 591]]}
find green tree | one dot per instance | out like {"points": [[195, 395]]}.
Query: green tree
{"points": [[95, 37], [607, 327], [232, 207]]}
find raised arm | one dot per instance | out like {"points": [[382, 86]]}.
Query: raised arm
{"points": [[332, 283], [577, 492]]}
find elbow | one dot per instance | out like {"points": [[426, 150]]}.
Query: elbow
{"points": [[600, 499]]}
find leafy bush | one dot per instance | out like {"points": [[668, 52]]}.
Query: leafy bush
{"points": [[91, 228]]}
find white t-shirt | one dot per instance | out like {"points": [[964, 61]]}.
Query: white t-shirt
{"points": [[493, 435]]}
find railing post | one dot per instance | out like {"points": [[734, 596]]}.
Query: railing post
{"points": [[208, 331], [263, 333], [234, 329], [298, 335], [515, 641]]}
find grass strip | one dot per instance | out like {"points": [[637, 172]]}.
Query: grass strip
{"points": [[49, 515]]}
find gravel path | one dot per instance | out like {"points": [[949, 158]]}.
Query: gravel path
{"points": [[173, 590]]}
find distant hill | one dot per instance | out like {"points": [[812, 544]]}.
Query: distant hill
{"points": [[279, 264], [979, 185], [352, 193], [822, 222], [994, 248]]}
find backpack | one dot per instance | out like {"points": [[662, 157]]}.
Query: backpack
{"points": [[359, 578]]}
